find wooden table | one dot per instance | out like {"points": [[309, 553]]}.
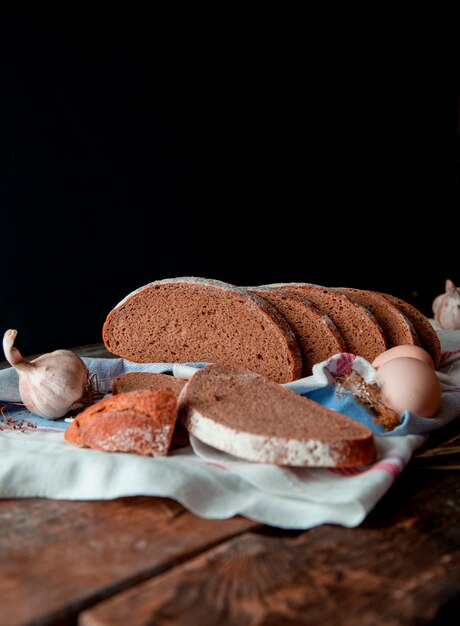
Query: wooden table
{"points": [[147, 561]]}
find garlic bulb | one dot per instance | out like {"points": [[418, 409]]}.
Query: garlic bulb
{"points": [[53, 383], [446, 307]]}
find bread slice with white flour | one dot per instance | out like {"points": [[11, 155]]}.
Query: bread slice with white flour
{"points": [[244, 414]]}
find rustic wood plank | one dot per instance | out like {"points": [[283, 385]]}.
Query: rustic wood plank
{"points": [[58, 557], [401, 567]]}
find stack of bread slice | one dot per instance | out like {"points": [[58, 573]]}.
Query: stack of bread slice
{"points": [[279, 331]]}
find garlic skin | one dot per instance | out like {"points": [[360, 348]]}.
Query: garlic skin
{"points": [[53, 383]]}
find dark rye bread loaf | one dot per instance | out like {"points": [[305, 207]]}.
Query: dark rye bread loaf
{"points": [[248, 416], [201, 320], [317, 335], [135, 381], [362, 333], [398, 329], [427, 335]]}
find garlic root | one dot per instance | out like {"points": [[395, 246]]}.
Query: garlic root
{"points": [[51, 384]]}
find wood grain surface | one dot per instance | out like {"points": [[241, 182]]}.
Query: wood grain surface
{"points": [[401, 567], [58, 557]]}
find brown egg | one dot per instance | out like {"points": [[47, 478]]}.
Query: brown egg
{"points": [[414, 352], [408, 383]]}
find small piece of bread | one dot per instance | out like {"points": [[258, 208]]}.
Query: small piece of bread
{"points": [[362, 333], [248, 416], [317, 335], [398, 329], [192, 319], [141, 422], [428, 336], [135, 381]]}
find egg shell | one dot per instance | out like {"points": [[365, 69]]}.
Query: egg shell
{"points": [[414, 352], [407, 383]]}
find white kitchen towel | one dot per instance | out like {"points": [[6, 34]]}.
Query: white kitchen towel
{"points": [[208, 483], [212, 484]]}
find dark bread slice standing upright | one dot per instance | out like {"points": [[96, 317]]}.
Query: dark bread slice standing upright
{"points": [[362, 333], [398, 329], [429, 339], [317, 335], [244, 414], [192, 319]]}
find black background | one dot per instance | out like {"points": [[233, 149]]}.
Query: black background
{"points": [[138, 147]]}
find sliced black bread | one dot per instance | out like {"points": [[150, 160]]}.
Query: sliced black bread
{"points": [[202, 320], [362, 333], [397, 327], [248, 416], [427, 335], [317, 335]]}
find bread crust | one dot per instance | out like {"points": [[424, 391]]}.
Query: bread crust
{"points": [[140, 422]]}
